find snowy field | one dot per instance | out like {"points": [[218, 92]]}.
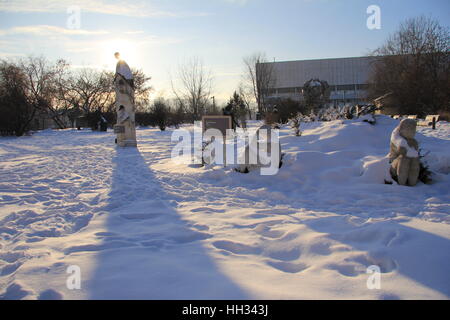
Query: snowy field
{"points": [[143, 227]]}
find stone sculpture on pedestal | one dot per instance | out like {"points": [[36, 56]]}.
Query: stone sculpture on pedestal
{"points": [[125, 108], [404, 154]]}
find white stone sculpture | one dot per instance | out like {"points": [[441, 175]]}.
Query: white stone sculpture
{"points": [[125, 107]]}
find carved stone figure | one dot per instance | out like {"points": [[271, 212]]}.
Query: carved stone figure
{"points": [[125, 107], [404, 154]]}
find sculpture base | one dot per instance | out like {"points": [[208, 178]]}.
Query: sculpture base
{"points": [[126, 135], [127, 143]]}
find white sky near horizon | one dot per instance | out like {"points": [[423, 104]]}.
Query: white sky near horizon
{"points": [[158, 35]]}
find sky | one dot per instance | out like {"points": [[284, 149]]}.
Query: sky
{"points": [[158, 36]]}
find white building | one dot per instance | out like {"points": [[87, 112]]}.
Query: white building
{"points": [[348, 78]]}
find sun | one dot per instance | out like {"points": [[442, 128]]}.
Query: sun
{"points": [[128, 51]]}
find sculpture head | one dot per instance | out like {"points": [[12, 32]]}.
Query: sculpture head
{"points": [[117, 55], [407, 128]]}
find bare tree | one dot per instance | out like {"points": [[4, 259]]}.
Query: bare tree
{"points": [[142, 89], [260, 78], [414, 64], [195, 87], [36, 91], [43, 78], [247, 97], [16, 103], [55, 91], [90, 90]]}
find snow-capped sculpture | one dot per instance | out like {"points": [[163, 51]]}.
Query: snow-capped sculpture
{"points": [[404, 154], [125, 108]]}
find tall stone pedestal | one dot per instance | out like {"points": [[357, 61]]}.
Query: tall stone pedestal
{"points": [[125, 128]]}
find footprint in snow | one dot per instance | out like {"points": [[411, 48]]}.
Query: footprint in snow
{"points": [[288, 267], [265, 231], [50, 294], [99, 247], [208, 210], [352, 267], [236, 248], [288, 254], [106, 234], [200, 227], [348, 270], [388, 296], [10, 268], [379, 259], [320, 248], [140, 216], [14, 292], [191, 237], [11, 257]]}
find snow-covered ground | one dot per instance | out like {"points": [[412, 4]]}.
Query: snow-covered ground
{"points": [[141, 226]]}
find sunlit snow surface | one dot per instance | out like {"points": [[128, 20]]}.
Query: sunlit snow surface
{"points": [[143, 227]]}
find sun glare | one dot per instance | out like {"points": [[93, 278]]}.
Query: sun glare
{"points": [[128, 51]]}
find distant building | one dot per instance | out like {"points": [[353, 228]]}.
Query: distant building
{"points": [[348, 78]]}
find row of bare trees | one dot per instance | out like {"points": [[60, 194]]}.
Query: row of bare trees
{"points": [[194, 87], [35, 88], [413, 66], [27, 88], [32, 88]]}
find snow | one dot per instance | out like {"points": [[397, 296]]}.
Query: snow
{"points": [[142, 226], [401, 142]]}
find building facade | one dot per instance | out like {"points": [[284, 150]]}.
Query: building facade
{"points": [[348, 78]]}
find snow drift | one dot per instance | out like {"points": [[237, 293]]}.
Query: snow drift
{"points": [[141, 226]]}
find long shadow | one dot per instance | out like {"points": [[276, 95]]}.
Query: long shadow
{"points": [[147, 250], [394, 247]]}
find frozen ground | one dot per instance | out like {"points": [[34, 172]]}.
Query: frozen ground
{"points": [[142, 227]]}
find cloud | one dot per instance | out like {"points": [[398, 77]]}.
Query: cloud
{"points": [[39, 39], [137, 8], [46, 30], [7, 55], [135, 32], [239, 2]]}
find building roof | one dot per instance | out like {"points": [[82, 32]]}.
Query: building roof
{"points": [[338, 71]]}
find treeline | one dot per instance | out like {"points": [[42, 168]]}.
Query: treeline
{"points": [[413, 69], [34, 88]]}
